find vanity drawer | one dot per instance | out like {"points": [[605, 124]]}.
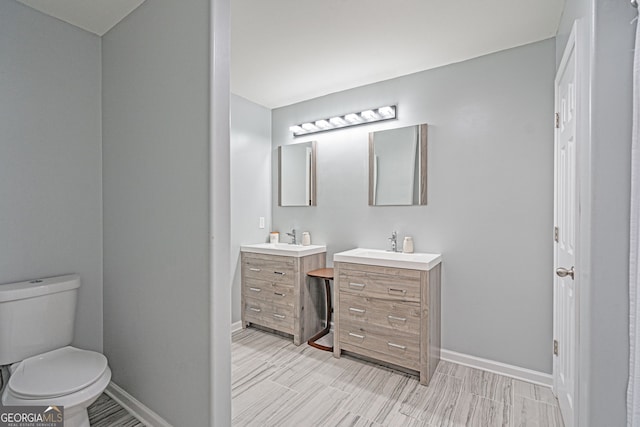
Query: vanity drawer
{"points": [[269, 315], [389, 345], [380, 285], [273, 292], [396, 315], [267, 267]]}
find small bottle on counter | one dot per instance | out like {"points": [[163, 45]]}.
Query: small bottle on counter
{"points": [[407, 245], [274, 237], [306, 238]]}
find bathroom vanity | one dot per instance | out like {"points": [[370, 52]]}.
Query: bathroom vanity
{"points": [[276, 292], [387, 308]]}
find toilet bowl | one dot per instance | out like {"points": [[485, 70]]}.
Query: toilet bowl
{"points": [[67, 377], [36, 330]]}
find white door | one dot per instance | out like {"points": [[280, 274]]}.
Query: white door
{"points": [[565, 213]]}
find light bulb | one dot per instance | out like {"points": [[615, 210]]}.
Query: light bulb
{"points": [[337, 121], [352, 118], [323, 124], [387, 112], [369, 115]]}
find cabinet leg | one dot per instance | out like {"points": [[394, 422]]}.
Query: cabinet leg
{"points": [[424, 380]]}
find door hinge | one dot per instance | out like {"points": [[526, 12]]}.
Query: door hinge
{"points": [[557, 120], [555, 347], [556, 234]]}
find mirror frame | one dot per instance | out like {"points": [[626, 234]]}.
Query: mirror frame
{"points": [[312, 192], [422, 143]]}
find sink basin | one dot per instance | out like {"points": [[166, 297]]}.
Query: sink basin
{"points": [[414, 261], [283, 249]]}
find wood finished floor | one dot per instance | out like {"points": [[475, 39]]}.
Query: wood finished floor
{"points": [[275, 383], [106, 412]]}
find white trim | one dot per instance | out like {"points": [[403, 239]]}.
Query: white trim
{"points": [[524, 374], [219, 395], [236, 326], [135, 407]]}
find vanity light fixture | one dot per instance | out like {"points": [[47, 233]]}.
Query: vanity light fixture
{"points": [[352, 119]]}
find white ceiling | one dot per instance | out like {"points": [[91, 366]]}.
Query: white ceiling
{"points": [[95, 16], [286, 51]]}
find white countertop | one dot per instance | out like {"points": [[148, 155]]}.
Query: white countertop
{"points": [[382, 258], [283, 249]]}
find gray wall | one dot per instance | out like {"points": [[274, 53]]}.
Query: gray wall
{"points": [[250, 183], [156, 213], [604, 322], [50, 160], [490, 193]]}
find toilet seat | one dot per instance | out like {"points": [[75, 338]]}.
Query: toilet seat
{"points": [[56, 373]]}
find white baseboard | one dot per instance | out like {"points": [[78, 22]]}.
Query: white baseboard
{"points": [[137, 409], [500, 368], [236, 326]]}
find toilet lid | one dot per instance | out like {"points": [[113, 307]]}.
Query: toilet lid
{"points": [[56, 373]]}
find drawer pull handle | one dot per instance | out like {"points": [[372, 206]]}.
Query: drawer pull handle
{"points": [[357, 310], [255, 269], [351, 334], [399, 319], [404, 291], [280, 294], [356, 285], [279, 272], [279, 316], [255, 289], [257, 310], [398, 346]]}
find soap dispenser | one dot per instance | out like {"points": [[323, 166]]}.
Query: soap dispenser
{"points": [[306, 238], [407, 245]]}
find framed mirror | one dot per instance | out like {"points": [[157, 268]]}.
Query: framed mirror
{"points": [[297, 174], [398, 166]]}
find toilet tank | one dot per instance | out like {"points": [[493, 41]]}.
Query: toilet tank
{"points": [[36, 316]]}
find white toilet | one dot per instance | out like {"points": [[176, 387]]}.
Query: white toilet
{"points": [[36, 328]]}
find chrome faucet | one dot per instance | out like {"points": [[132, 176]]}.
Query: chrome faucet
{"points": [[394, 241], [293, 237]]}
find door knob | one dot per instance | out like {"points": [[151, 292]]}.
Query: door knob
{"points": [[563, 272]]}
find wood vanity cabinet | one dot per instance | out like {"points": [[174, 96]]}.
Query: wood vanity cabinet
{"points": [[389, 314], [276, 293]]}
